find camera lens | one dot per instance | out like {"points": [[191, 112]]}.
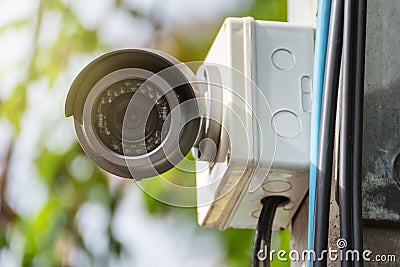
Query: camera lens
{"points": [[144, 128]]}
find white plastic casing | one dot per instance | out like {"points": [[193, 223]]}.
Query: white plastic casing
{"points": [[278, 57]]}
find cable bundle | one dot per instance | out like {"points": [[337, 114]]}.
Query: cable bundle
{"points": [[339, 53], [346, 48]]}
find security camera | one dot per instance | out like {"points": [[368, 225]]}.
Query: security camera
{"points": [[128, 112], [245, 115]]}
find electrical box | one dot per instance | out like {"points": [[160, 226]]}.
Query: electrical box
{"points": [[261, 72]]}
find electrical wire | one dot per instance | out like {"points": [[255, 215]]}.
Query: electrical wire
{"points": [[262, 237], [346, 145], [321, 39], [358, 129], [326, 144]]}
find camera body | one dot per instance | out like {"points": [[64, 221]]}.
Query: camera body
{"points": [[245, 116]]}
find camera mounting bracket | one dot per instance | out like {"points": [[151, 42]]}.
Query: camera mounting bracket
{"points": [[263, 142]]}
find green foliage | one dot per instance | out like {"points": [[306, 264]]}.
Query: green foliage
{"points": [[281, 241], [54, 227], [238, 243], [14, 107], [269, 10]]}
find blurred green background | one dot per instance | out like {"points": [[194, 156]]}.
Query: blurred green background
{"points": [[57, 208]]}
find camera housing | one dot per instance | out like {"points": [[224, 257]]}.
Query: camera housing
{"points": [[150, 87]]}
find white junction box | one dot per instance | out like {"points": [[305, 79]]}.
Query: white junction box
{"points": [[261, 73]]}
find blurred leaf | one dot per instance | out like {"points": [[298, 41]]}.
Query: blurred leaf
{"points": [[154, 207], [281, 241], [13, 108], [275, 10], [41, 232], [50, 164], [237, 243], [15, 25]]}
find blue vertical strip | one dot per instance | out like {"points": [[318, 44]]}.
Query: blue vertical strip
{"points": [[321, 39]]}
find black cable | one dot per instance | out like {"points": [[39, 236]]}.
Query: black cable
{"points": [[328, 117], [264, 224], [346, 145], [358, 129], [262, 237]]}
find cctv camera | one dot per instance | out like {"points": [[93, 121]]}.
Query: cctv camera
{"points": [[128, 112], [139, 112]]}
